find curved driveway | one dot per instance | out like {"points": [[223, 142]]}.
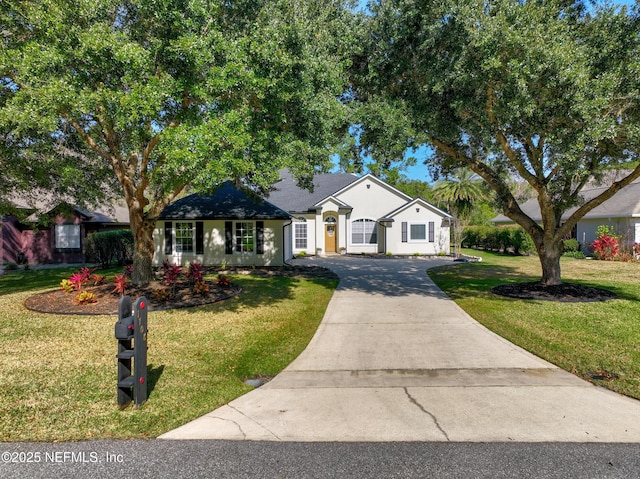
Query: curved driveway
{"points": [[395, 359]]}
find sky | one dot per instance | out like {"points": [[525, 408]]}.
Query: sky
{"points": [[419, 171]]}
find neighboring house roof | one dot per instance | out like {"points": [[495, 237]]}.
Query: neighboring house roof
{"points": [[290, 197], [116, 213], [226, 202], [625, 203]]}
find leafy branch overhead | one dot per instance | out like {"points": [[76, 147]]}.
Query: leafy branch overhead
{"points": [[171, 94], [546, 92]]}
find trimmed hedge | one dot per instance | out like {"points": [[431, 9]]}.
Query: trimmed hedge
{"points": [[504, 238], [107, 246]]}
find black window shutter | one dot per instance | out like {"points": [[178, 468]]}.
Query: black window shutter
{"points": [[404, 231], [168, 237], [228, 237], [199, 237], [259, 237], [432, 232]]}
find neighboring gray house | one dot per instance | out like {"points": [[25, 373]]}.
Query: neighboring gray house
{"points": [[347, 213], [230, 225], [622, 212]]}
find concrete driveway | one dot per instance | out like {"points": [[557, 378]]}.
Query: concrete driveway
{"points": [[395, 359]]}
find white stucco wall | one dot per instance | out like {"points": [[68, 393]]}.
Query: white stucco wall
{"points": [[440, 245], [214, 247], [370, 199]]}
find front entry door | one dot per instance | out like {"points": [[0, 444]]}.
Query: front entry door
{"points": [[330, 237]]}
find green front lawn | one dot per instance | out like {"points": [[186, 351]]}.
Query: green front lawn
{"points": [[583, 338], [58, 373]]}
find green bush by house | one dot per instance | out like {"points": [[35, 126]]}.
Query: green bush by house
{"points": [[107, 246], [505, 238]]}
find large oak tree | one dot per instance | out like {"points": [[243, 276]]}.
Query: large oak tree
{"points": [[170, 94], [547, 92]]}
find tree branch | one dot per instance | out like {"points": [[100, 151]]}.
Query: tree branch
{"points": [[512, 156], [511, 207], [598, 200]]}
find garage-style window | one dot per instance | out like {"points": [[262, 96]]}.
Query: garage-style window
{"points": [[364, 231]]}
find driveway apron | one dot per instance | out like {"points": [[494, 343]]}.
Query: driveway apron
{"points": [[395, 359]]}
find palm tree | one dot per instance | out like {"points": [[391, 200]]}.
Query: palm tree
{"points": [[460, 191]]}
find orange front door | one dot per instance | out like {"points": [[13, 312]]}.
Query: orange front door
{"points": [[330, 238]]}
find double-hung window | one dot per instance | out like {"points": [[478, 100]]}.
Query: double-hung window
{"points": [[300, 235], [245, 237], [184, 237], [364, 231]]}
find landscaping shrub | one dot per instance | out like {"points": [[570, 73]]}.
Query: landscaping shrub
{"points": [[107, 246], [607, 244], [163, 295], [121, 281], [571, 245], [606, 247], [86, 297], [521, 241], [201, 288], [505, 238], [195, 273], [67, 286]]}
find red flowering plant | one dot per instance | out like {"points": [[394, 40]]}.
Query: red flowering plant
{"points": [[607, 246], [201, 288], [80, 278], [195, 273], [121, 281], [171, 275]]}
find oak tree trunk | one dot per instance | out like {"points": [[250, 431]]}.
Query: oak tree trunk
{"points": [[549, 253], [143, 248]]}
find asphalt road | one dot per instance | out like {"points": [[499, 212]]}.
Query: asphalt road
{"points": [[157, 459]]}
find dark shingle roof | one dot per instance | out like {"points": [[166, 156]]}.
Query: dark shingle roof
{"points": [[287, 195], [226, 202]]}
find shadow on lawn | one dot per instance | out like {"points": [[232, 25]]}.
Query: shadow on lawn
{"points": [[44, 278], [476, 280], [261, 290], [153, 376]]}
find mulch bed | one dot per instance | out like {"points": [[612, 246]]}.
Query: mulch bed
{"points": [[566, 292], [58, 302]]}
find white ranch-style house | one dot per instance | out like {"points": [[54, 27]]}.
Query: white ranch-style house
{"points": [[351, 214], [343, 213]]}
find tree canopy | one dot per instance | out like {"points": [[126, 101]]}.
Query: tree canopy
{"points": [[170, 94], [544, 92]]}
